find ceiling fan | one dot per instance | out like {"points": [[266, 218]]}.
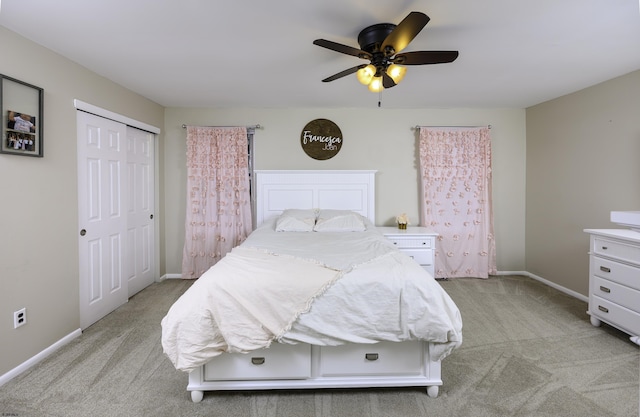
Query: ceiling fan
{"points": [[381, 44]]}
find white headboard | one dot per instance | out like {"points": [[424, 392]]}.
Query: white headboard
{"points": [[327, 189]]}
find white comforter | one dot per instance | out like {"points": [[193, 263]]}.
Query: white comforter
{"points": [[309, 287]]}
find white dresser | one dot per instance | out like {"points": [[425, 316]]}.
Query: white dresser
{"points": [[614, 279], [417, 242]]}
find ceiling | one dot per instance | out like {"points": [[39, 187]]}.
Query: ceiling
{"points": [[244, 53]]}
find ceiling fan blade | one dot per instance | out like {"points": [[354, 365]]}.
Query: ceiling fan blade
{"points": [[425, 57], [345, 49], [387, 81], [343, 73], [405, 31]]}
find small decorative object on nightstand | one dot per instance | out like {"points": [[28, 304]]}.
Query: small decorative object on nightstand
{"points": [[417, 242], [403, 221]]}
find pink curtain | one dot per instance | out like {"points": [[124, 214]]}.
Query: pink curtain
{"points": [[455, 170], [218, 203]]}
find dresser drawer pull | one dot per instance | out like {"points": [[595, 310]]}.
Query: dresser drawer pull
{"points": [[603, 309], [371, 356], [604, 289], [257, 361], [604, 248], [605, 269]]}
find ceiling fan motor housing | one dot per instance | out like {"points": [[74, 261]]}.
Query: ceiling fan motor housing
{"points": [[371, 38]]}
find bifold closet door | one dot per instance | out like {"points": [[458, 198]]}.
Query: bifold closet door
{"points": [[140, 256], [102, 216]]}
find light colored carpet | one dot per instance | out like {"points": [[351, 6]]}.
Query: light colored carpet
{"points": [[529, 350]]}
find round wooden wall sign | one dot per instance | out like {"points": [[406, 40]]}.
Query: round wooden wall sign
{"points": [[321, 139]]}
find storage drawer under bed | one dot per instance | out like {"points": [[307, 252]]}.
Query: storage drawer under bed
{"points": [[383, 358], [279, 361]]}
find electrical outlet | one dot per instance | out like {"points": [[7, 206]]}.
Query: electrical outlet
{"points": [[19, 318]]}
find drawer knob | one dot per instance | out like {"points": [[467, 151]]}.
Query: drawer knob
{"points": [[604, 289], [257, 361], [605, 269], [371, 356], [603, 309]]}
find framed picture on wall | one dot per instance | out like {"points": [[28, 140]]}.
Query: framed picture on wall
{"points": [[21, 105]]}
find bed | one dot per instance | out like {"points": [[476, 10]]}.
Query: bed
{"points": [[287, 309]]}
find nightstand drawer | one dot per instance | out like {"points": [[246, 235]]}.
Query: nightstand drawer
{"points": [[421, 256], [402, 242]]}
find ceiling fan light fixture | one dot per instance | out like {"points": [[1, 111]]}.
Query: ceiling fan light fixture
{"points": [[396, 72], [375, 86], [365, 75]]}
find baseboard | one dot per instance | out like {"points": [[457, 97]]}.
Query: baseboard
{"points": [[171, 276], [549, 283], [39, 357]]}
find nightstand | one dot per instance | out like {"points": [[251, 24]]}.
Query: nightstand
{"points": [[417, 242]]}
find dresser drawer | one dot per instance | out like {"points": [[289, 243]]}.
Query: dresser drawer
{"points": [[617, 250], [279, 361], [613, 271], [402, 242], [616, 293], [616, 315], [421, 256], [384, 358]]}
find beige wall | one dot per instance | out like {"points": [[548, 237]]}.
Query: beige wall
{"points": [[375, 138], [38, 214], [583, 153]]}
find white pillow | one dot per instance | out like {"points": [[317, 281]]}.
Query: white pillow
{"points": [[296, 220], [339, 221]]}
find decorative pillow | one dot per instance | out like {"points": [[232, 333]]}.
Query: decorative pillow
{"points": [[296, 220], [339, 221]]}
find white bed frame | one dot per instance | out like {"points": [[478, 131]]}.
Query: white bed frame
{"points": [[385, 364]]}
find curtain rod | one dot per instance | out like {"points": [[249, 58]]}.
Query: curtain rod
{"points": [[184, 126], [418, 127]]}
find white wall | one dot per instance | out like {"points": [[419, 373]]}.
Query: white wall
{"points": [[376, 138]]}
